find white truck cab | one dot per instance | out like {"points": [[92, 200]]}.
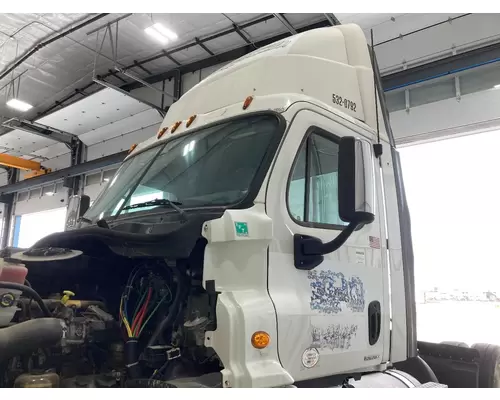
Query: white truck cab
{"points": [[270, 212], [314, 259]]}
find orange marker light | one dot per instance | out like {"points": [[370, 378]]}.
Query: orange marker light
{"points": [[161, 132], [132, 148], [175, 126], [247, 102], [260, 340], [190, 120]]}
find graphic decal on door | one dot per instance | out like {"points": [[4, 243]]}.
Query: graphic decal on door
{"points": [[331, 292], [335, 336]]}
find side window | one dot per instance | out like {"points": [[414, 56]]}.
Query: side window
{"points": [[313, 188]]}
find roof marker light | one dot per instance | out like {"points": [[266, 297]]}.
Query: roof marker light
{"points": [[175, 126], [247, 102], [161, 132], [132, 148], [190, 120]]}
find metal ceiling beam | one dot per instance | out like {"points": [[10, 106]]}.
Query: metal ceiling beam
{"points": [[230, 55], [200, 43], [169, 54], [64, 173], [137, 79], [281, 18], [401, 36], [241, 34], [109, 23], [42, 130], [439, 68], [41, 45], [147, 71], [332, 19], [166, 54]]}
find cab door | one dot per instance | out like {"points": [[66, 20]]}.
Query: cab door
{"points": [[333, 318]]}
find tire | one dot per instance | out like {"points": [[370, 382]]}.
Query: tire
{"points": [[458, 344], [489, 365]]}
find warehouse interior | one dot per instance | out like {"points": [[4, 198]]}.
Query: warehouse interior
{"points": [[77, 91]]}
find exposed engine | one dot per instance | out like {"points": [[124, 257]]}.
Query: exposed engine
{"points": [[102, 319]]}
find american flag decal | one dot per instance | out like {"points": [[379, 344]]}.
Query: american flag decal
{"points": [[374, 242]]}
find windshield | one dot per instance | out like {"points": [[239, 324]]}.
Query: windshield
{"points": [[213, 166]]}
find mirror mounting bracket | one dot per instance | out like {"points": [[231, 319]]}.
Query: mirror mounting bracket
{"points": [[309, 250], [377, 149]]}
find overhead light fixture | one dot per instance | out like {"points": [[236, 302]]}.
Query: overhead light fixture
{"points": [[161, 33], [165, 32], [49, 193], [496, 86], [19, 105]]}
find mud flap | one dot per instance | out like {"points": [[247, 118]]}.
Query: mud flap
{"points": [[454, 366]]}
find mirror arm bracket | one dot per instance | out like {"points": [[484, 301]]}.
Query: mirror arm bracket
{"points": [[309, 250]]}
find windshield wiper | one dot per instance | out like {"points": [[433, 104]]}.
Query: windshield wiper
{"points": [[159, 202]]}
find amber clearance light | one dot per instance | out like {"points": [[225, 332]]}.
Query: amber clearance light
{"points": [[190, 120], [162, 132], [261, 339], [175, 126], [247, 102], [132, 148]]}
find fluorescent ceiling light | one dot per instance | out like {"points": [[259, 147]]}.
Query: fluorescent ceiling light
{"points": [[160, 33], [496, 87], [165, 31], [19, 105], [49, 193]]}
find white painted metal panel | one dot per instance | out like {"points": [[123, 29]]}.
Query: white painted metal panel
{"points": [[406, 23], [474, 113], [102, 108], [121, 143], [122, 127], [37, 204], [437, 42], [51, 151]]}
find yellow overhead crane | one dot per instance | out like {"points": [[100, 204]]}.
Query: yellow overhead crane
{"points": [[34, 168]]}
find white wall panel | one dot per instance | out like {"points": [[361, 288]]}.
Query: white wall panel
{"points": [[433, 43], [121, 143], [43, 203], [102, 108], [123, 127], [475, 112], [3, 178]]}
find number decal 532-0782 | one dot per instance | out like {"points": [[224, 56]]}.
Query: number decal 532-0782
{"points": [[340, 101]]}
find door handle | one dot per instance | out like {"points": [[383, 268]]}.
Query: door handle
{"points": [[374, 322]]}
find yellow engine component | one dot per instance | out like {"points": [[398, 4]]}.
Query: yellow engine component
{"points": [[67, 294]]}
